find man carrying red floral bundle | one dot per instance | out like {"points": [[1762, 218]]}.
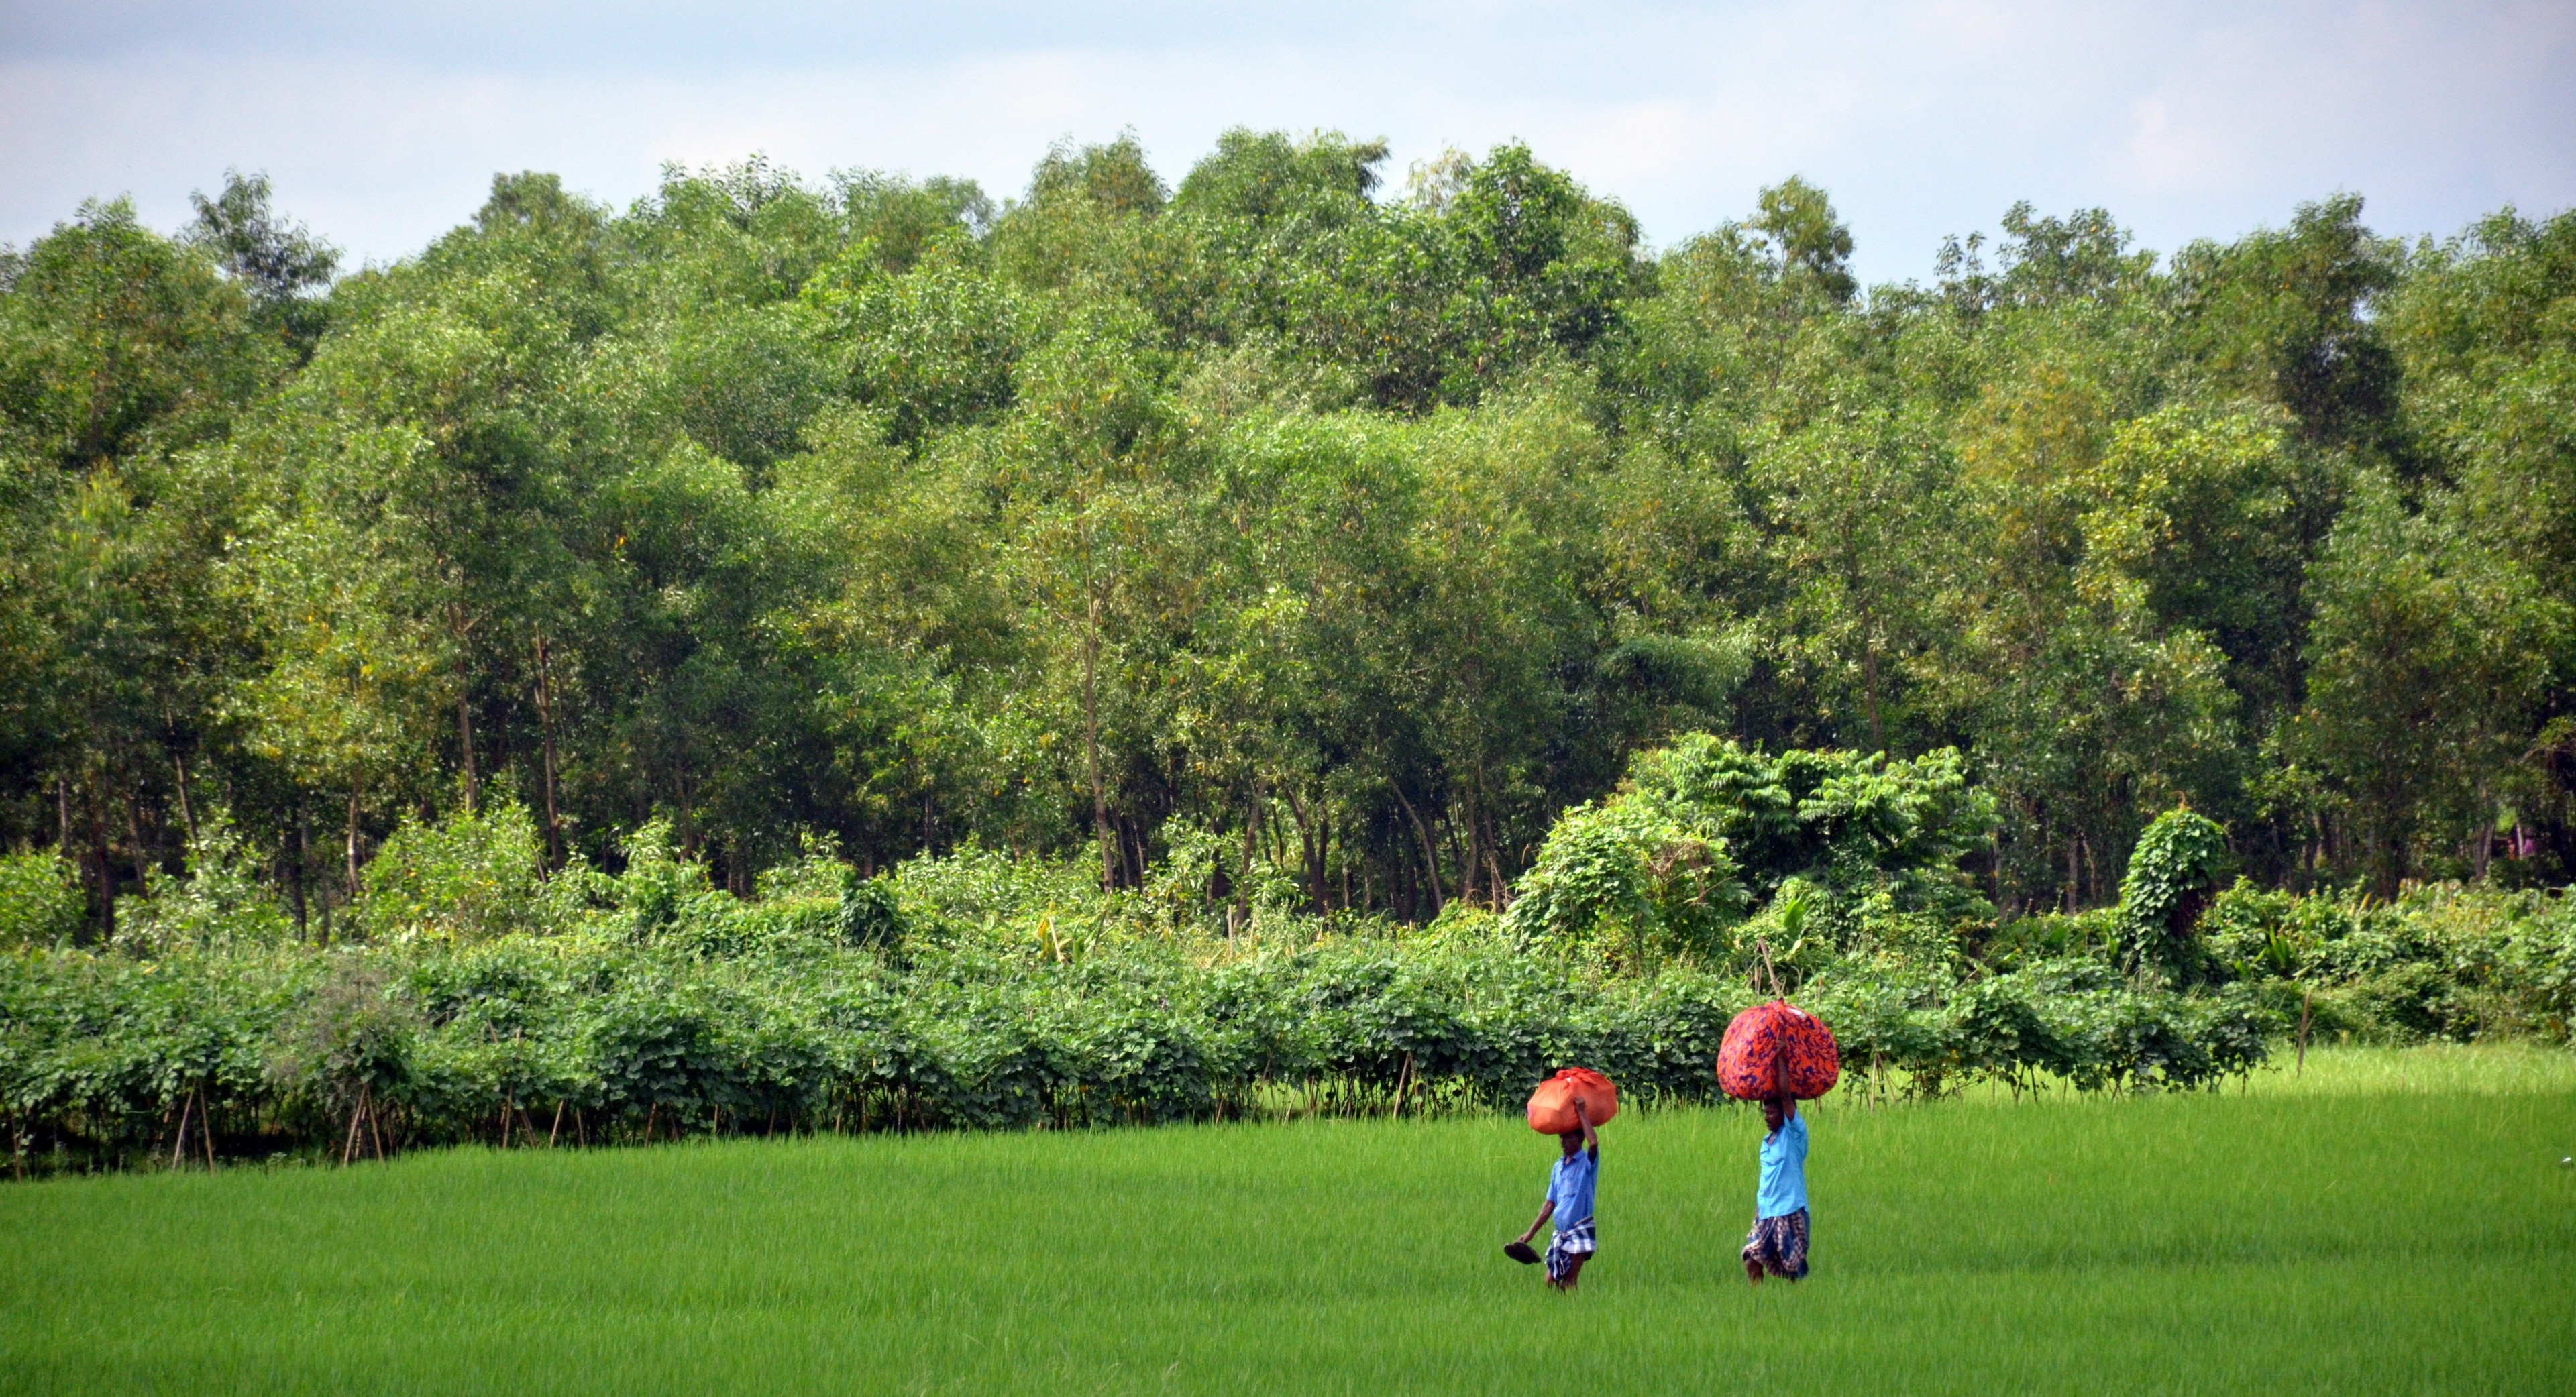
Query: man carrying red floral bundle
{"points": [[1777, 1245]]}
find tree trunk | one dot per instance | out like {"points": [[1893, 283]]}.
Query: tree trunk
{"points": [[349, 1151], [1463, 833], [2483, 840], [1251, 851], [463, 630], [1869, 675], [134, 840], [1312, 856], [187, 808], [1091, 742], [546, 721], [99, 862], [295, 867], [352, 847], [1430, 854], [465, 743]]}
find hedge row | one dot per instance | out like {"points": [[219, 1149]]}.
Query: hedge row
{"points": [[589, 1039]]}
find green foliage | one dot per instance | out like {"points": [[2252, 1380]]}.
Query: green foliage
{"points": [[868, 913], [40, 900], [2172, 870], [222, 903], [933, 347], [2429, 663], [471, 877], [348, 1044], [115, 341], [2539, 962], [1627, 876], [726, 1022], [1286, 546], [1866, 831], [278, 262]]}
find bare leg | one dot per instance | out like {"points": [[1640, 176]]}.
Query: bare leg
{"points": [[1753, 1270], [1573, 1271]]}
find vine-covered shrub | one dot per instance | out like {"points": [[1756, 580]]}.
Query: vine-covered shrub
{"points": [[1628, 875], [1862, 827], [1707, 830], [984, 991], [2171, 873]]}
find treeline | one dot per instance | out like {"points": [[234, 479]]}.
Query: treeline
{"points": [[1282, 528]]}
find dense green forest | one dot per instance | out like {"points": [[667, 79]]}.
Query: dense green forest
{"points": [[1279, 525]]}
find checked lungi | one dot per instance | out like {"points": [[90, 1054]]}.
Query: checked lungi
{"points": [[1567, 1244], [1780, 1244]]}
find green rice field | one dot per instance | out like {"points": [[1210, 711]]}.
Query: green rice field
{"points": [[2384, 1222]]}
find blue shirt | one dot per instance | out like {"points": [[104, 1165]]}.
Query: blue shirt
{"points": [[1569, 1187], [1784, 1171]]}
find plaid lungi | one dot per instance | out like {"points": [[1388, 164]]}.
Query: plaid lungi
{"points": [[1567, 1244], [1780, 1244]]}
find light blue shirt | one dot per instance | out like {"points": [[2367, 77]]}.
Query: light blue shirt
{"points": [[1784, 1171], [1569, 1187]]}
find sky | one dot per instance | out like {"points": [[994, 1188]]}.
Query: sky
{"points": [[382, 124]]}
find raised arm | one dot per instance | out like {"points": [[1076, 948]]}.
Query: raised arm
{"points": [[1591, 1138]]}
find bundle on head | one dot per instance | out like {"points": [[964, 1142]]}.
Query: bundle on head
{"points": [[1551, 1107], [1778, 1049]]}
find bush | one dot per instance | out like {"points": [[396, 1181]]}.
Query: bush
{"points": [[472, 878], [1862, 828], [2170, 874], [221, 904], [1627, 876], [2540, 969], [41, 903], [1707, 829], [868, 913], [436, 1039]]}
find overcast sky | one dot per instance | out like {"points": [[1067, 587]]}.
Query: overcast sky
{"points": [[382, 124]]}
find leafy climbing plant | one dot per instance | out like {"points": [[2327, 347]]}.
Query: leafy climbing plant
{"points": [[2171, 874]]}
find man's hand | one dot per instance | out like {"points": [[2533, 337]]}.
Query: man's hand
{"points": [[1544, 1210]]}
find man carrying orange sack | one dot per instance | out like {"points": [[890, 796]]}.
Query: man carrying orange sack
{"points": [[1569, 1201]]}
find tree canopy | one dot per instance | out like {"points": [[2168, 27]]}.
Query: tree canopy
{"points": [[1295, 522]]}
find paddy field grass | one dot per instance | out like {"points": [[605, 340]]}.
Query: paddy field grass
{"points": [[2384, 1222]]}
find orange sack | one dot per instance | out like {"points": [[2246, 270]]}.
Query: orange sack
{"points": [[1551, 1107], [1774, 1048]]}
